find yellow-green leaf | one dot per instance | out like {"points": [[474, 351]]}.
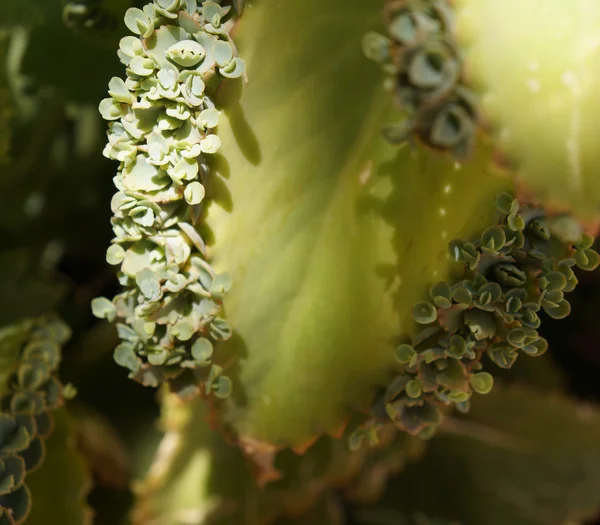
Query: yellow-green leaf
{"points": [[329, 233], [536, 64], [60, 487]]}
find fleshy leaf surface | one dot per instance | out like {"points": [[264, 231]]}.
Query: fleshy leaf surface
{"points": [[59, 488], [536, 65], [330, 234], [196, 474]]}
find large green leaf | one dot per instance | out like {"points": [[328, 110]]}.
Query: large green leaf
{"points": [[59, 488], [330, 234], [522, 457], [537, 64]]}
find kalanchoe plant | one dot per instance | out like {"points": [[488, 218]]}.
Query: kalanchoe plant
{"points": [[347, 307], [30, 353], [425, 69], [162, 130], [517, 268]]}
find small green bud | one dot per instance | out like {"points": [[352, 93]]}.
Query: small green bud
{"points": [[482, 382], [424, 313]]}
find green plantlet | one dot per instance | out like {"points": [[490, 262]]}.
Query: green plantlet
{"points": [[492, 311], [161, 121]]}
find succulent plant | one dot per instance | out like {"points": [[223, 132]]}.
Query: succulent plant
{"points": [[161, 132], [29, 392], [514, 270], [328, 253]]}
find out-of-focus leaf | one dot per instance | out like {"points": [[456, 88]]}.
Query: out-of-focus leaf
{"points": [[12, 339], [376, 515], [5, 119], [522, 457], [99, 443], [25, 291], [196, 475], [542, 372], [329, 233], [537, 65], [60, 486], [77, 66], [329, 511], [13, 13]]}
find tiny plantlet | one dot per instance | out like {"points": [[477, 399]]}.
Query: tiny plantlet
{"points": [[286, 263]]}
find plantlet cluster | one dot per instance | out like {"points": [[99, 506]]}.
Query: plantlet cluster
{"points": [[161, 130], [28, 394], [425, 68], [515, 269]]}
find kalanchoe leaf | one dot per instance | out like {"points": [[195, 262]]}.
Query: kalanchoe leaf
{"points": [[503, 355], [138, 22], [111, 109], [482, 382], [553, 281], [222, 387], [186, 53], [515, 222], [33, 455], [453, 376], [405, 354], [148, 284], [441, 294], [220, 285], [220, 330], [481, 324], [504, 202], [540, 228], [587, 259], [19, 503], [413, 389], [12, 474], [202, 350], [552, 298], [14, 437], [376, 47], [478, 316], [488, 294], [28, 395], [398, 134], [586, 241], [559, 310], [529, 316], [451, 319], [396, 387], [457, 348], [424, 313], [452, 125], [126, 357], [115, 254], [536, 348], [509, 275], [356, 439], [521, 336], [461, 294], [493, 238]]}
